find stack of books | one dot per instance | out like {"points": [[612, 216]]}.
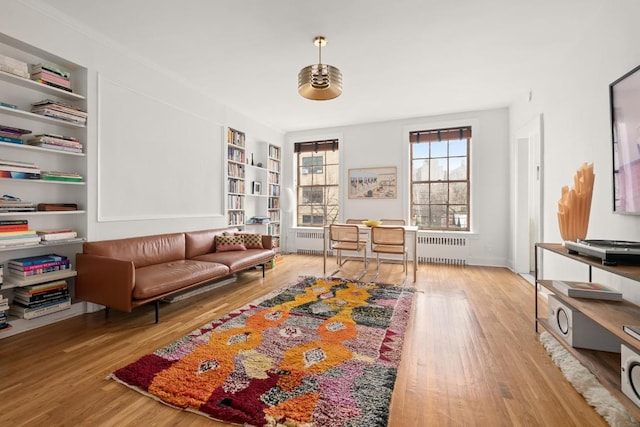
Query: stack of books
{"points": [[41, 264], [14, 66], [60, 111], [12, 135], [4, 307], [15, 204], [15, 232], [51, 75], [61, 176], [34, 301], [61, 235], [586, 290], [57, 142], [18, 170]]}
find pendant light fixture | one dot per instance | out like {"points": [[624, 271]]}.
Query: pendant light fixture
{"points": [[320, 82]]}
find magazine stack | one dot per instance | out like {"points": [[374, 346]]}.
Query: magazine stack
{"points": [[18, 170], [12, 135], [57, 142], [4, 306], [34, 301], [15, 204], [15, 233], [60, 111], [31, 301], [51, 75]]}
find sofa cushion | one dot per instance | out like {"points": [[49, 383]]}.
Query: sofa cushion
{"points": [[204, 241], [230, 243], [251, 240], [143, 251], [236, 260], [155, 280]]}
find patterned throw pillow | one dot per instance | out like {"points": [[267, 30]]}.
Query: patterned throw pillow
{"points": [[252, 241], [230, 243]]}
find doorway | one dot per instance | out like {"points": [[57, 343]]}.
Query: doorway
{"points": [[528, 194]]}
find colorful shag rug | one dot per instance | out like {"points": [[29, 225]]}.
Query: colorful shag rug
{"points": [[321, 353]]}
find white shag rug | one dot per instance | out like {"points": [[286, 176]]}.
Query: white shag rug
{"points": [[587, 384]]}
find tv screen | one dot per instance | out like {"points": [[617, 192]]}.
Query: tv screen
{"points": [[624, 97]]}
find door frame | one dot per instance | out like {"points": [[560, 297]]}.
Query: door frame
{"points": [[528, 194]]}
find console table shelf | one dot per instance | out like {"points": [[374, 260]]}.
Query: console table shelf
{"points": [[611, 315]]}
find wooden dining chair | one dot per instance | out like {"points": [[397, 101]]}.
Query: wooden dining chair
{"points": [[363, 233], [354, 221], [389, 240], [347, 237], [393, 222]]}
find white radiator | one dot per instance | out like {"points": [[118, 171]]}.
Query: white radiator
{"points": [[443, 249], [309, 242]]}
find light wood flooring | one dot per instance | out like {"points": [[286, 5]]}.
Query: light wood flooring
{"points": [[471, 356]]}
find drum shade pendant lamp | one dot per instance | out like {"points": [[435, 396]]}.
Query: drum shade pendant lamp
{"points": [[320, 82]]}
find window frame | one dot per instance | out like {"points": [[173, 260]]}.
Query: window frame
{"points": [[438, 134], [314, 169]]}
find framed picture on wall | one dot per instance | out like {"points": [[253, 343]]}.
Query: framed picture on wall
{"points": [[257, 187], [373, 183]]}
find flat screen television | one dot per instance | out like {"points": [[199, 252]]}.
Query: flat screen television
{"points": [[624, 100]]}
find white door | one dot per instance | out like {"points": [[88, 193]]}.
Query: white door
{"points": [[528, 194]]}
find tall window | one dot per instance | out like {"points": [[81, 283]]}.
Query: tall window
{"points": [[318, 178], [440, 179]]}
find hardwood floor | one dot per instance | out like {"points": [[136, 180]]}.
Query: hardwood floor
{"points": [[471, 356]]}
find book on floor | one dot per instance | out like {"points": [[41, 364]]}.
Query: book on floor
{"points": [[586, 290]]}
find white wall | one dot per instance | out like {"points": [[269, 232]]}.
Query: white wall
{"points": [[386, 144], [117, 148], [572, 95]]}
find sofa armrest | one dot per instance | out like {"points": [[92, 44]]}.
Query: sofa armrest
{"points": [[267, 241], [105, 281]]}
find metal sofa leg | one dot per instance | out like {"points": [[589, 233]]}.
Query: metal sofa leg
{"points": [[263, 267], [157, 304]]}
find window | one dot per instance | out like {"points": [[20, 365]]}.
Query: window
{"points": [[318, 178], [440, 179]]}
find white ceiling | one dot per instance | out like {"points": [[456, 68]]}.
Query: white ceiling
{"points": [[399, 58]]}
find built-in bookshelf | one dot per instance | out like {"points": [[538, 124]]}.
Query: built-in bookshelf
{"points": [[274, 191], [236, 184], [44, 95]]}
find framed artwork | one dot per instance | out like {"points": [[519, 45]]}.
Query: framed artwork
{"points": [[373, 183], [257, 187]]}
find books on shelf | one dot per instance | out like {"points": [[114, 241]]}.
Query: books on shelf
{"points": [[14, 225], [51, 75], [13, 131], [15, 204], [586, 290], [33, 301], [36, 260], [56, 142], [57, 234], [16, 169], [58, 110], [633, 330], [21, 240], [61, 176], [14, 66]]}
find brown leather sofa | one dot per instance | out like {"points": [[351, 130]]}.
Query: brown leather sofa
{"points": [[127, 273]]}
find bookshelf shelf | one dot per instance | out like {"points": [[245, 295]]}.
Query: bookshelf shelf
{"points": [[274, 192], [38, 117], [235, 167], [31, 84], [23, 93]]}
